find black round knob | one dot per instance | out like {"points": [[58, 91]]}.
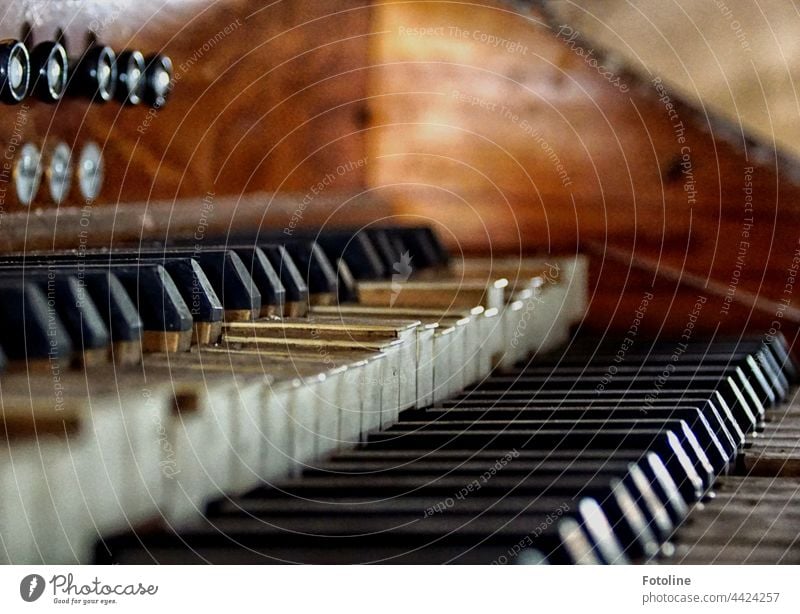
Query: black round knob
{"points": [[49, 71], [130, 77], [158, 79], [15, 71], [94, 75]]}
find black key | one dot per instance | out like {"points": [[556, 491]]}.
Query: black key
{"points": [[225, 273], [615, 499], [110, 298], [424, 246], [782, 351], [317, 270], [666, 444], [232, 282], [758, 366], [189, 276], [267, 280], [410, 510], [735, 388], [249, 541], [766, 392], [114, 304], [31, 330], [347, 287], [632, 476], [293, 281], [385, 248], [324, 257], [710, 455], [461, 468], [729, 395], [776, 345], [198, 293], [727, 384], [715, 406], [159, 303], [692, 415], [442, 253], [651, 464], [72, 303], [356, 249]]}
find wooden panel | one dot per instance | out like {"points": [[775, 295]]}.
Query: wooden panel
{"points": [[751, 520], [512, 138], [267, 96], [530, 129], [189, 219], [736, 60]]}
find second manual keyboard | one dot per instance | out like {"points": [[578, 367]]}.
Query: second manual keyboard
{"points": [[538, 464]]}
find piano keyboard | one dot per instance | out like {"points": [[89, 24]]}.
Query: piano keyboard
{"points": [[536, 465], [354, 397], [139, 385]]}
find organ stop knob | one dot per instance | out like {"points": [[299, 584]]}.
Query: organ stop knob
{"points": [[130, 77], [49, 70], [14, 71], [158, 77], [95, 74]]}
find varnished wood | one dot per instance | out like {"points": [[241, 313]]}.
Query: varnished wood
{"points": [[125, 352], [469, 136], [776, 450], [265, 97], [751, 521], [135, 223]]}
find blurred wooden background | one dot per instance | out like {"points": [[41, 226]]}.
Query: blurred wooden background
{"points": [[475, 117]]}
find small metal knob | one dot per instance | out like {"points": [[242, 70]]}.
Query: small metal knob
{"points": [[130, 77], [158, 79], [59, 172], [15, 71], [49, 71], [27, 173], [94, 75], [90, 171]]}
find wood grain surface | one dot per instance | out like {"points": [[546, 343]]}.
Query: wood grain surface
{"points": [[507, 134], [266, 96]]}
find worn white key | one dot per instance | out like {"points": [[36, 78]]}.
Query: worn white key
{"points": [[94, 460]]}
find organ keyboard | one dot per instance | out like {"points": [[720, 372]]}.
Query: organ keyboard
{"points": [[189, 373], [243, 408]]}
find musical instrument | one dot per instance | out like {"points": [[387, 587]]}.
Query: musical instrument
{"points": [[536, 466], [224, 397], [264, 362]]}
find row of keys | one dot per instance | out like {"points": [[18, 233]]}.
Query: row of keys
{"points": [[274, 393], [181, 294], [99, 74], [533, 466]]}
